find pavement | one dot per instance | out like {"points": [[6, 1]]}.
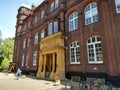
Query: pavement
{"points": [[9, 82]]}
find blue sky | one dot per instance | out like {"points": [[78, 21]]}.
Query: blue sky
{"points": [[8, 13]]}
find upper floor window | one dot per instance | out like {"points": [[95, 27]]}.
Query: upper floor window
{"points": [[56, 3], [28, 42], [117, 2], [52, 6], [24, 27], [50, 28], [73, 21], [36, 38], [23, 58], [94, 50], [35, 58], [24, 43], [55, 27], [42, 14], [75, 53], [91, 13], [42, 33], [35, 19]]}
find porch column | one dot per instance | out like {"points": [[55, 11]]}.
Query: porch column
{"points": [[53, 66], [44, 63]]}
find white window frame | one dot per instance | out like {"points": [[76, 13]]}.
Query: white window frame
{"points": [[91, 13], [94, 52], [73, 21], [52, 6], [75, 46], [117, 3], [50, 28], [56, 3], [35, 58], [36, 39], [55, 26], [42, 33], [23, 59]]}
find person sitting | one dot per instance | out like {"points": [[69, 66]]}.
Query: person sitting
{"points": [[18, 73]]}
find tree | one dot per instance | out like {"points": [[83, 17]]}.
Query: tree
{"points": [[1, 52], [7, 49]]}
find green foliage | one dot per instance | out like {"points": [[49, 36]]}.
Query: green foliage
{"points": [[5, 64], [6, 52]]}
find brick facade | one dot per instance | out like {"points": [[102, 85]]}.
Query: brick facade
{"points": [[106, 27]]}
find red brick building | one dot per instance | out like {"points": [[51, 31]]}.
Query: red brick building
{"points": [[91, 29]]}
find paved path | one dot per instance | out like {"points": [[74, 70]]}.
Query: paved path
{"points": [[9, 82]]}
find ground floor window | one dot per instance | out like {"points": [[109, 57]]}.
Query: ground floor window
{"points": [[75, 53], [94, 50]]}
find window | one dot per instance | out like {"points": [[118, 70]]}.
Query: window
{"points": [[24, 44], [27, 60], [56, 3], [22, 63], [42, 33], [42, 14], [91, 13], [75, 53], [35, 58], [36, 39], [55, 27], [24, 27], [36, 19], [117, 2], [94, 50], [52, 6], [50, 28], [29, 24], [28, 43], [73, 21]]}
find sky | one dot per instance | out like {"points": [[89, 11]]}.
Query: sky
{"points": [[8, 13]]}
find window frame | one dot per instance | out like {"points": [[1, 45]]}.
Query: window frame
{"points": [[52, 6], [24, 44], [23, 59], [75, 53], [35, 54], [117, 5], [72, 21], [50, 28], [94, 50], [89, 12], [42, 34], [36, 39], [55, 26]]}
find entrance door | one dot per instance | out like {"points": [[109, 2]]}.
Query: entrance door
{"points": [[48, 65]]}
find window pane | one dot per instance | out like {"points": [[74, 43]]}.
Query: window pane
{"points": [[55, 27], [52, 6], [56, 3], [50, 28]]}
